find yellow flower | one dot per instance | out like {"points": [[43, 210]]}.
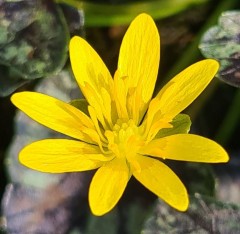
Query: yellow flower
{"points": [[119, 134]]}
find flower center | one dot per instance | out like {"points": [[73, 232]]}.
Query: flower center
{"points": [[125, 138]]}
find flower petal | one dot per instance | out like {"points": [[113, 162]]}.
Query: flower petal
{"points": [[180, 92], [56, 114], [162, 181], [186, 147], [138, 63], [185, 87], [93, 77], [108, 185], [62, 155]]}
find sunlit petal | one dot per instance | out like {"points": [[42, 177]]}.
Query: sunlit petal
{"points": [[92, 76], [185, 87], [108, 185], [186, 147], [181, 91], [56, 114], [119, 130], [120, 96], [62, 155], [138, 63], [162, 181]]}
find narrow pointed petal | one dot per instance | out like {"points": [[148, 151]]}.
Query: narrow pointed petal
{"points": [[162, 181], [56, 114], [92, 76], [108, 185], [138, 63], [62, 155], [181, 91], [186, 147], [185, 87]]}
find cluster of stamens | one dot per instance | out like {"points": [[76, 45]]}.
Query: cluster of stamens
{"points": [[124, 139]]}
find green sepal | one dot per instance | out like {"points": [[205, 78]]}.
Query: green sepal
{"points": [[80, 104], [181, 124]]}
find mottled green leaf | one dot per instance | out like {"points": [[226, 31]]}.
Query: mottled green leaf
{"points": [[9, 80], [33, 37], [181, 124], [222, 42], [205, 215]]}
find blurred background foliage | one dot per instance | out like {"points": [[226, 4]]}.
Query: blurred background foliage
{"points": [[34, 38]]}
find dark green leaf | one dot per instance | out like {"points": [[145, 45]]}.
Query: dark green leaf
{"points": [[33, 37], [108, 223], [136, 214], [205, 215], [198, 178], [9, 81]]}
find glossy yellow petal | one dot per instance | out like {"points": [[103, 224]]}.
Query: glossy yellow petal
{"points": [[186, 147], [180, 92], [120, 96], [62, 155], [162, 181], [138, 63], [92, 76], [185, 87], [56, 114], [108, 185]]}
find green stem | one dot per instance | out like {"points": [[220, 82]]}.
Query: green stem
{"points": [[107, 14]]}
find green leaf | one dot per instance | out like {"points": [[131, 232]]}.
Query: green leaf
{"points": [[198, 178], [9, 81], [136, 214], [100, 14], [222, 42], [33, 38], [205, 215], [129, 217], [181, 124], [108, 223]]}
